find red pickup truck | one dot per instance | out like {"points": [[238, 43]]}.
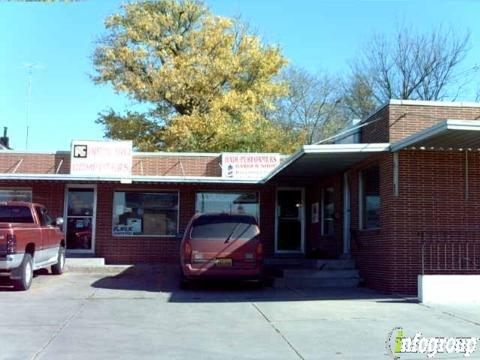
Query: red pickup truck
{"points": [[29, 240]]}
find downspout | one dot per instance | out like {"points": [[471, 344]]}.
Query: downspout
{"points": [[346, 217]]}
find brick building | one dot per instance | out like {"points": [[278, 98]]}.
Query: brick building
{"points": [[401, 199]]}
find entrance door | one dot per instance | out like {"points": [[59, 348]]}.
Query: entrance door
{"points": [[80, 219], [290, 221]]}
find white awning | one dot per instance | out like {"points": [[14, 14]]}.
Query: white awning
{"points": [[323, 160], [133, 179], [446, 135]]}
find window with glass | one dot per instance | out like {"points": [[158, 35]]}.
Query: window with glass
{"points": [[328, 211], [224, 229], [228, 202], [16, 195], [145, 213], [16, 214], [370, 197]]}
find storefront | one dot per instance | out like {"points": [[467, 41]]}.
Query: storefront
{"points": [[412, 177]]}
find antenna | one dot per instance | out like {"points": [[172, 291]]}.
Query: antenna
{"points": [[30, 67]]}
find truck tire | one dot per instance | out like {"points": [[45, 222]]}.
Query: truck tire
{"points": [[59, 267], [26, 274]]}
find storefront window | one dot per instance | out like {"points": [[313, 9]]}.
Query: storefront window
{"points": [[328, 207], [140, 213], [16, 195], [228, 202], [370, 197]]}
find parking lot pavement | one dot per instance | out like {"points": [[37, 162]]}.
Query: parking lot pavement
{"points": [[141, 314]]}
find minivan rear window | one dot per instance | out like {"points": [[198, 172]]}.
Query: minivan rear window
{"points": [[15, 214], [224, 228]]}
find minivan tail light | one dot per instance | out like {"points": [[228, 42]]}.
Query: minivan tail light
{"points": [[11, 244], [187, 251]]}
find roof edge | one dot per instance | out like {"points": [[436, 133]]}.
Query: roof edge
{"points": [[434, 103], [327, 148], [129, 179], [449, 124]]}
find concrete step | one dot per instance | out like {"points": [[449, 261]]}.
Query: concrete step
{"points": [[305, 283], [320, 274], [337, 264], [288, 262], [326, 264], [79, 262]]}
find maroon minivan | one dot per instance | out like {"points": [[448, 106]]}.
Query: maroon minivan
{"points": [[221, 246]]}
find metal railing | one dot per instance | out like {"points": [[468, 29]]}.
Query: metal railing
{"points": [[446, 252]]}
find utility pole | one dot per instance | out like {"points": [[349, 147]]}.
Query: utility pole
{"points": [[30, 67]]}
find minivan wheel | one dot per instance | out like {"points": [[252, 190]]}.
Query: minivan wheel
{"points": [[26, 274], [59, 267]]}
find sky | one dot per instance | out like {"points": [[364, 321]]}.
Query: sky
{"points": [[57, 39]]}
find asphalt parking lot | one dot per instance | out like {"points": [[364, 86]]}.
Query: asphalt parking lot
{"points": [[141, 314]]}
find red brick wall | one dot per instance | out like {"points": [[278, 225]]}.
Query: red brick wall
{"points": [[173, 165], [432, 198], [318, 244], [377, 130], [406, 120], [397, 121], [34, 163], [121, 249], [373, 250], [49, 194], [157, 165], [129, 250]]}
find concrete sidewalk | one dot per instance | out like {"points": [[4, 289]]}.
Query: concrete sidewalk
{"points": [[141, 314]]}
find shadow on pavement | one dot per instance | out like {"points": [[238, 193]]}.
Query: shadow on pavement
{"points": [[7, 285], [166, 279]]}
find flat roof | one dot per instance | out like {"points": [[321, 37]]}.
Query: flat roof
{"points": [[447, 134], [324, 160]]}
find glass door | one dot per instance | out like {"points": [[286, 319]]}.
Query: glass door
{"points": [[80, 219], [290, 221]]}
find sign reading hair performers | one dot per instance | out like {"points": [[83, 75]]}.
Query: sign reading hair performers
{"points": [[101, 158], [248, 165]]}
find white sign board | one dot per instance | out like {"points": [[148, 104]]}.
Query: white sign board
{"points": [[101, 158], [248, 165]]}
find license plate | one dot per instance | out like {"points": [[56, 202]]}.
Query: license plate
{"points": [[223, 262]]}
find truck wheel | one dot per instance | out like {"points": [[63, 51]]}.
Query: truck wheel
{"points": [[26, 274], [58, 268]]}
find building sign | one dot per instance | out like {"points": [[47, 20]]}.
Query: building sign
{"points": [[101, 158], [248, 165]]}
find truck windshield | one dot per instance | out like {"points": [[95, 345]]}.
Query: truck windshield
{"points": [[224, 229], [15, 214]]}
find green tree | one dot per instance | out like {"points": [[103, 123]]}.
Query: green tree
{"points": [[207, 81]]}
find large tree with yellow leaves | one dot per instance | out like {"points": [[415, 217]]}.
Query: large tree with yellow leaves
{"points": [[208, 83]]}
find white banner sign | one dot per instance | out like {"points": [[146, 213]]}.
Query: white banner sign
{"points": [[248, 165], [101, 158]]}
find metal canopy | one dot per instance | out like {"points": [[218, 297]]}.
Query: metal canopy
{"points": [[132, 179], [448, 134], [324, 160]]}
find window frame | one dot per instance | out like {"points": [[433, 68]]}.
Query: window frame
{"points": [[256, 191], [361, 207], [29, 189], [146, 191], [322, 210]]}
